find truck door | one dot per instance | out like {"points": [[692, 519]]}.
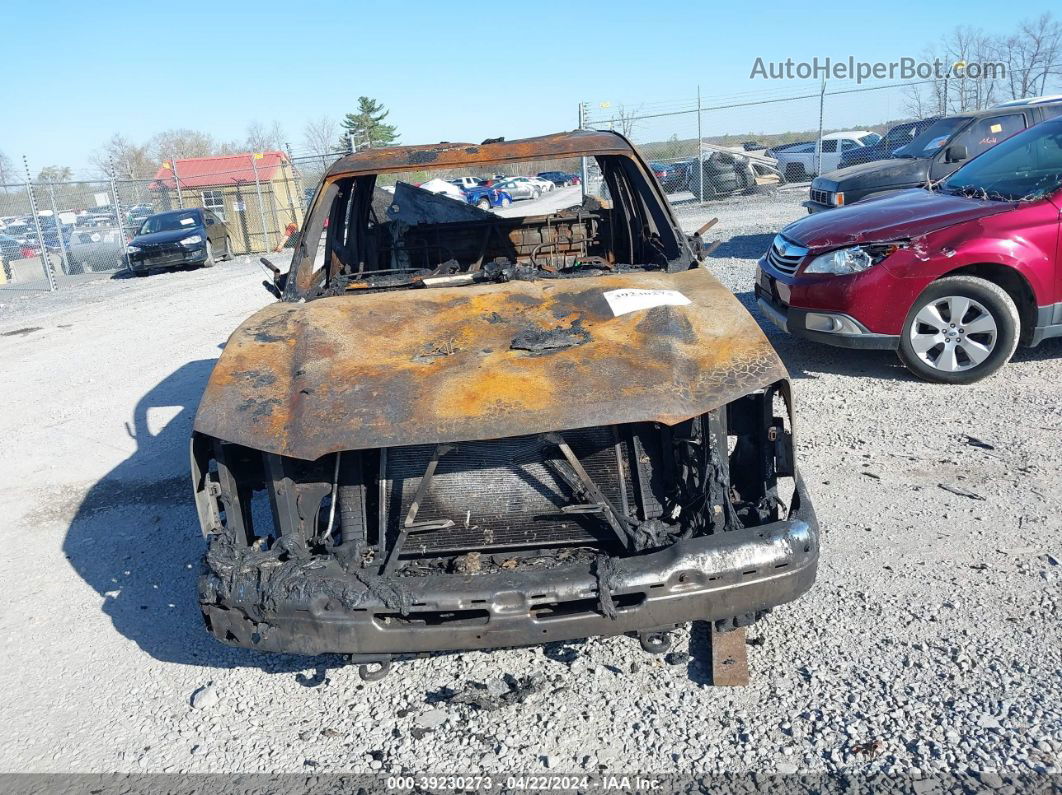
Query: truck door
{"points": [[976, 138], [830, 156], [848, 145]]}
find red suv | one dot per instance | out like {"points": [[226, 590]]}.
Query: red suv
{"points": [[952, 277]]}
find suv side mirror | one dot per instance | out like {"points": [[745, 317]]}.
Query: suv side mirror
{"points": [[955, 153], [209, 221]]}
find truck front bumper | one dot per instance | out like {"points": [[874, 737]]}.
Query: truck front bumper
{"points": [[816, 207], [318, 608]]}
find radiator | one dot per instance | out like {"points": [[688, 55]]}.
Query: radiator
{"points": [[504, 493]]}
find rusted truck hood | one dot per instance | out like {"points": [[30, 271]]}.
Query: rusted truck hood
{"points": [[437, 365]]}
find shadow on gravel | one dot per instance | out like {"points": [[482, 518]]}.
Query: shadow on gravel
{"points": [[699, 669], [742, 247], [135, 540], [805, 359], [1048, 349]]}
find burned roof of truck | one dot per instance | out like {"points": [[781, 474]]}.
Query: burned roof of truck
{"points": [[445, 153]]}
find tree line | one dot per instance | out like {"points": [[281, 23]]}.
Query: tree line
{"points": [[324, 138], [1031, 56]]}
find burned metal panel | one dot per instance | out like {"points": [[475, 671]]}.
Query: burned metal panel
{"points": [[443, 155], [413, 205], [428, 366], [305, 283], [313, 606]]}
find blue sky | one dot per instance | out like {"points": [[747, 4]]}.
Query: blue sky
{"points": [[447, 71]]}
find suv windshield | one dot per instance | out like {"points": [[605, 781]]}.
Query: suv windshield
{"points": [[932, 138], [168, 222], [415, 229], [1025, 167]]}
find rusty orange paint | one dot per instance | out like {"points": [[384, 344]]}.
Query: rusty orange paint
{"points": [[577, 143], [436, 365]]}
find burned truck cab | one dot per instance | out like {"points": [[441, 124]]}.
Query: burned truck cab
{"points": [[463, 428]]}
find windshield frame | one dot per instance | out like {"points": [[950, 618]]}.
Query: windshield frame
{"points": [[315, 270]]}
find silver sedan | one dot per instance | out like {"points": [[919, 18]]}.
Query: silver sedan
{"points": [[519, 188]]}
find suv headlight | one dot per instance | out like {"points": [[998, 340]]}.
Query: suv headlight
{"points": [[854, 259], [132, 249], [191, 240]]}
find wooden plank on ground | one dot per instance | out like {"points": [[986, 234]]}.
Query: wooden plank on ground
{"points": [[730, 662]]}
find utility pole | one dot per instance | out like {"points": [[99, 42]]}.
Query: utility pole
{"points": [[700, 152], [64, 258], [118, 218], [177, 181], [261, 206], [296, 177], [584, 169], [818, 143], [45, 262]]}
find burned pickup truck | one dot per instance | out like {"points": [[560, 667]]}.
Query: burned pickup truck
{"points": [[462, 429]]}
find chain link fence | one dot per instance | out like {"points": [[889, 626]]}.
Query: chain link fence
{"points": [[711, 149], [55, 234], [707, 150]]}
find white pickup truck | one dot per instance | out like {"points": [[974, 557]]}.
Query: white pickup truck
{"points": [[797, 162], [468, 182]]}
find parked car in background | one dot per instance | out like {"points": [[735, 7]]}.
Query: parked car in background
{"points": [[468, 182], [519, 187], [722, 171], [53, 232], [900, 135], [93, 249], [953, 277], [10, 250], [90, 220], [560, 179], [96, 216], [177, 238], [935, 153], [790, 158], [1047, 99], [135, 217], [485, 198], [23, 232], [445, 187], [672, 177], [544, 185], [800, 161]]}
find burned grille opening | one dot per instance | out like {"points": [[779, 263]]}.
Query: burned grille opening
{"points": [[557, 610], [504, 494], [432, 618], [518, 503]]}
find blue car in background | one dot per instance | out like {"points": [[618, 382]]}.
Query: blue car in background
{"points": [[51, 232], [484, 198], [672, 177]]}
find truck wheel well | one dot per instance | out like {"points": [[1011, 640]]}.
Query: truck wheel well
{"points": [[1017, 288]]}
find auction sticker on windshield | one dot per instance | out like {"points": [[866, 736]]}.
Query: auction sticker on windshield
{"points": [[621, 302]]}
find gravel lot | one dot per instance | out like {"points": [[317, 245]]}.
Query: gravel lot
{"points": [[930, 643]]}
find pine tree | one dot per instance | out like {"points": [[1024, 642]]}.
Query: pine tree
{"points": [[367, 127]]}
